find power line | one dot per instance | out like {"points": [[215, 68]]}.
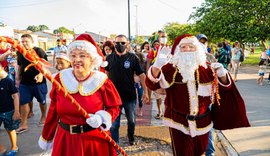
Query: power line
{"points": [[28, 4], [168, 5]]}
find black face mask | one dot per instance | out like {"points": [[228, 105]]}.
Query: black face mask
{"points": [[120, 48]]}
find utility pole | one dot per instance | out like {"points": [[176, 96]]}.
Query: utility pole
{"points": [[136, 22], [129, 20]]}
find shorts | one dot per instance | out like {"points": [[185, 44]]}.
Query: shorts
{"points": [[9, 124], [157, 95], [261, 74], [28, 92]]}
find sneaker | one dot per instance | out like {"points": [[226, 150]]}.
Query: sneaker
{"points": [[21, 130], [158, 116], [11, 153], [131, 143]]}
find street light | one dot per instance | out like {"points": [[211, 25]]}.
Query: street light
{"points": [[129, 20], [136, 22]]}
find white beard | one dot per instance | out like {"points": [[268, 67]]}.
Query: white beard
{"points": [[187, 63]]}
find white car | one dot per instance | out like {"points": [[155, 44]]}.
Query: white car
{"points": [[50, 52]]}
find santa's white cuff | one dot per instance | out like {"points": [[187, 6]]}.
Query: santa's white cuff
{"points": [[106, 119], [44, 145], [229, 79], [150, 76]]}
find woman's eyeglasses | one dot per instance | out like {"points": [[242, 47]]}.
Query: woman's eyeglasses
{"points": [[107, 49], [120, 43]]}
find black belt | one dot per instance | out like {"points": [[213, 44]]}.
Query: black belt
{"points": [[76, 129], [192, 117]]}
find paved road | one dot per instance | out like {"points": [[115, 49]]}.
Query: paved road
{"points": [[253, 141], [255, 96]]}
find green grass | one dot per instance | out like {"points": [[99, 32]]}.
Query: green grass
{"points": [[253, 59]]}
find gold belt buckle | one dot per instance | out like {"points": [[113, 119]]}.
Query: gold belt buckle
{"points": [[71, 129], [81, 127]]}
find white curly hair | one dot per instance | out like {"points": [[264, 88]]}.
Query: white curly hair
{"points": [[88, 48]]}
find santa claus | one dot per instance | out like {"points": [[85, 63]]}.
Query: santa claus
{"points": [[190, 113], [66, 131]]}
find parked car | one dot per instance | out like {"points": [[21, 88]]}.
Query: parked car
{"points": [[50, 52]]}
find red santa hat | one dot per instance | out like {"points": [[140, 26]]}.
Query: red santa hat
{"points": [[87, 43], [177, 41]]}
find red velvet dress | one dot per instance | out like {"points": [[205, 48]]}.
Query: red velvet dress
{"points": [[94, 94], [194, 98]]}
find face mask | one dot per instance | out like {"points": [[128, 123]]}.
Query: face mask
{"points": [[163, 40], [120, 48]]}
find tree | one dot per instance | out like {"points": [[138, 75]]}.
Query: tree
{"points": [[243, 20], [175, 29], [62, 30], [43, 27], [34, 28], [138, 40]]}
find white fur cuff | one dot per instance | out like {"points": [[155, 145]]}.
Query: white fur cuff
{"points": [[150, 76], [44, 145], [106, 120]]}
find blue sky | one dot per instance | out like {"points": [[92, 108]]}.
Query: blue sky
{"points": [[99, 16]]}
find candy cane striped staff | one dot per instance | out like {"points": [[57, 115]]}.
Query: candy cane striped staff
{"points": [[39, 64]]}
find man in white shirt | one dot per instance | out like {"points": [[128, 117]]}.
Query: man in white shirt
{"points": [[58, 49]]}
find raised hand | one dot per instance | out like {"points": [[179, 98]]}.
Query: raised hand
{"points": [[162, 58], [218, 67]]}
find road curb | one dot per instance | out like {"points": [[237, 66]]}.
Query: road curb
{"points": [[226, 146]]}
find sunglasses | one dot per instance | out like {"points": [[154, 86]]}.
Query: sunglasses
{"points": [[120, 43]]}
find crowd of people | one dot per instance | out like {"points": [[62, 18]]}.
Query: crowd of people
{"points": [[118, 76]]}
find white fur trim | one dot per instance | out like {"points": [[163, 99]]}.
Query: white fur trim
{"points": [[189, 39], [86, 87], [230, 81], [193, 98], [192, 127], [106, 119], [82, 45], [204, 90], [163, 83], [104, 64], [44, 145], [192, 131], [150, 76]]}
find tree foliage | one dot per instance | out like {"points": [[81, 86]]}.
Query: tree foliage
{"points": [[175, 29], [243, 20], [63, 30], [34, 28], [138, 40]]}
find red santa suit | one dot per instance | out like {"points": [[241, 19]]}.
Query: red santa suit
{"points": [[187, 108], [94, 94]]}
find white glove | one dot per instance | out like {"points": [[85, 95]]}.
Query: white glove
{"points": [[44, 145], [221, 71], [94, 121], [106, 120], [163, 57]]}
